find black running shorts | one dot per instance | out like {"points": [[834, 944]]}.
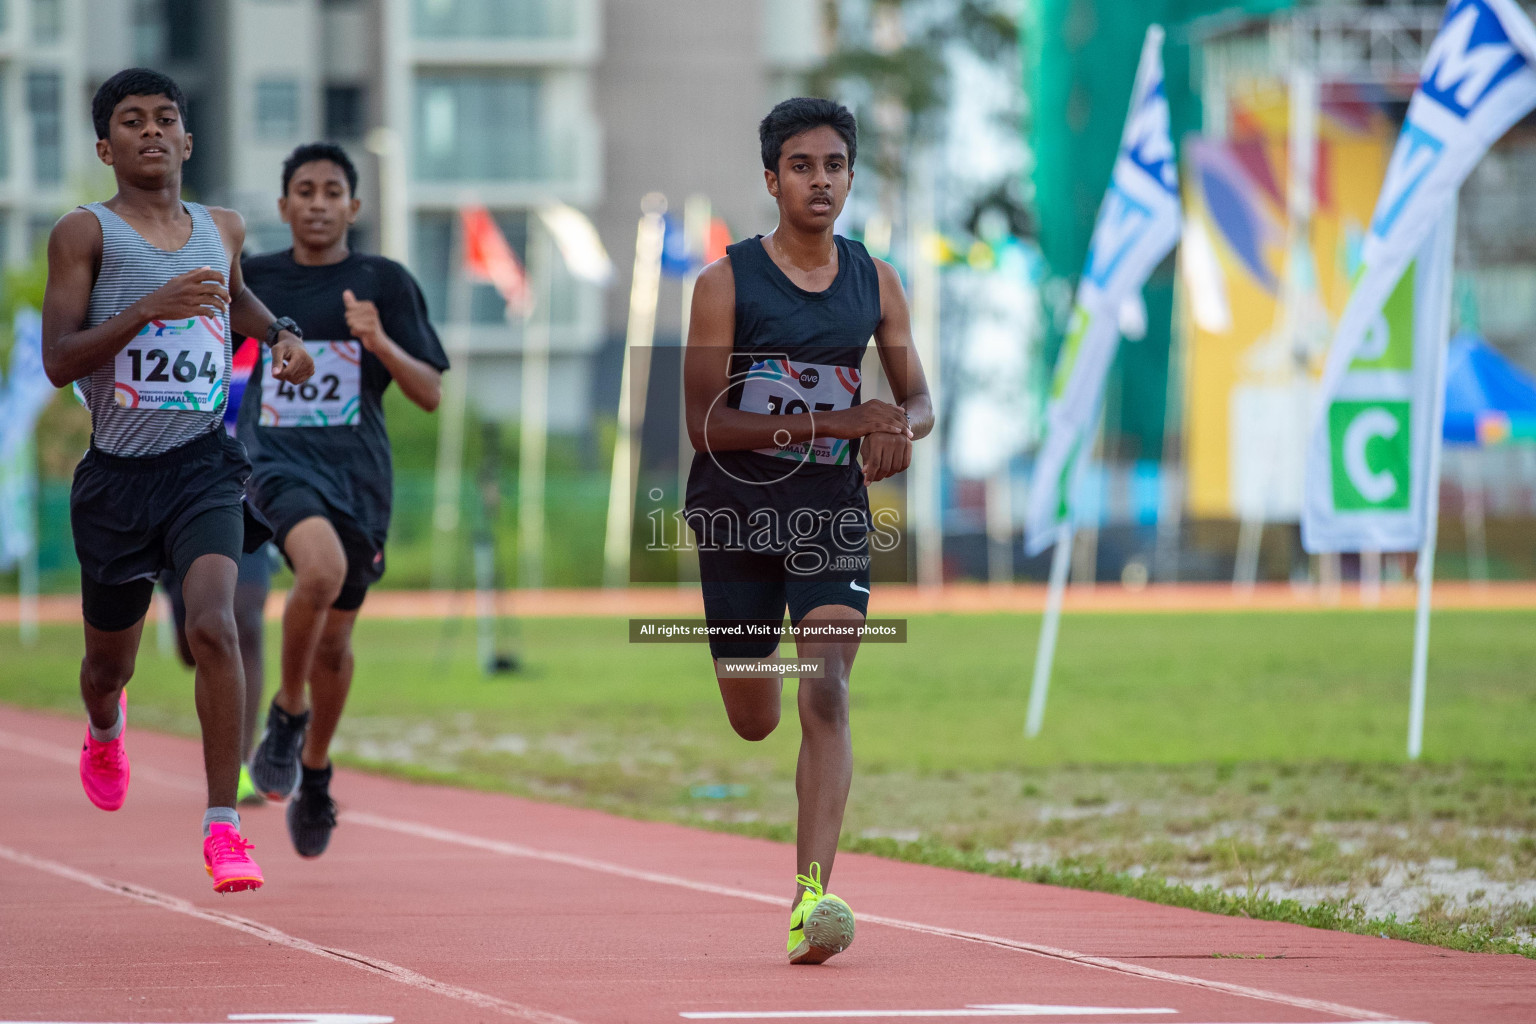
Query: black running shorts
{"points": [[134, 517], [743, 586], [287, 502]]}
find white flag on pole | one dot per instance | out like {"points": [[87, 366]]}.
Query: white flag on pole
{"points": [[1368, 456], [578, 241], [1139, 224]]}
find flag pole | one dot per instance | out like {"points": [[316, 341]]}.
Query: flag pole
{"points": [[27, 569], [534, 435], [925, 510], [644, 293], [1445, 260], [1045, 654], [448, 472], [698, 213]]}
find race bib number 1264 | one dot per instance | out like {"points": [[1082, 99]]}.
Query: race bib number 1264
{"points": [[330, 398], [173, 364]]}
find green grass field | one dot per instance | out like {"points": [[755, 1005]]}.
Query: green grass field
{"points": [[1247, 763]]}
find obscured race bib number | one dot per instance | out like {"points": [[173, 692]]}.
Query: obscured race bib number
{"points": [[778, 387], [173, 365], [328, 399]]}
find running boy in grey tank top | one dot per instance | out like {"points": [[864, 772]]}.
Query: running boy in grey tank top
{"points": [[143, 291]]}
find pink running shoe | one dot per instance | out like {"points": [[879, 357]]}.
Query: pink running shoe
{"points": [[225, 859], [104, 766]]}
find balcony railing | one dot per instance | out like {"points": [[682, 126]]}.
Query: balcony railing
{"points": [[495, 19], [1380, 46]]}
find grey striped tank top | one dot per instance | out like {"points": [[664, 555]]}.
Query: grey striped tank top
{"points": [[170, 385]]}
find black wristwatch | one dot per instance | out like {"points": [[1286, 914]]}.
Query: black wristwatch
{"points": [[279, 326]]}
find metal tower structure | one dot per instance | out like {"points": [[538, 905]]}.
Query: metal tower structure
{"points": [[1336, 44]]}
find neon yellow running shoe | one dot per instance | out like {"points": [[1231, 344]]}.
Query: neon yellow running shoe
{"points": [[821, 925], [247, 794]]}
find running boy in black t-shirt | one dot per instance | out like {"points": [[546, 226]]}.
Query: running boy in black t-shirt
{"points": [[322, 467], [775, 494]]}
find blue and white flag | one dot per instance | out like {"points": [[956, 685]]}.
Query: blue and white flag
{"points": [[1368, 457], [26, 394], [1139, 224]]}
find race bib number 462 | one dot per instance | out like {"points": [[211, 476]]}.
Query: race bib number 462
{"points": [[778, 387], [173, 364], [328, 399]]}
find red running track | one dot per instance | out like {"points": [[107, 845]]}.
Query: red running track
{"points": [[440, 906]]}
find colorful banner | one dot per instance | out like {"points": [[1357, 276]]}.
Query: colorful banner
{"points": [[1139, 224], [1250, 372], [1369, 454]]}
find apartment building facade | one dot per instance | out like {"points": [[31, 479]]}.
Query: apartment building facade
{"points": [[43, 128], [506, 103]]}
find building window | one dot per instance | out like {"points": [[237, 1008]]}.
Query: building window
{"points": [[47, 21], [277, 109], [433, 257], [344, 114], [478, 128], [499, 19], [44, 90]]}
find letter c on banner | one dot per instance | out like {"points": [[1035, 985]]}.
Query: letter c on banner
{"points": [[1374, 487]]}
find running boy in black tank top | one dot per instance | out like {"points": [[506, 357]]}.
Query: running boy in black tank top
{"points": [[147, 338], [776, 495]]}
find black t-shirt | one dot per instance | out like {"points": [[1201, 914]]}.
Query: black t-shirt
{"points": [[793, 351], [338, 443]]}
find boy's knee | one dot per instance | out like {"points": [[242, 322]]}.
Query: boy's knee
{"points": [[320, 582], [212, 630], [754, 728], [752, 720], [827, 699]]}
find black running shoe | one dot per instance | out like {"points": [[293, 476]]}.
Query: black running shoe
{"points": [[312, 813], [275, 761]]}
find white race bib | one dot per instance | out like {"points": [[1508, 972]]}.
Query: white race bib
{"points": [[328, 399], [777, 387], [173, 365]]}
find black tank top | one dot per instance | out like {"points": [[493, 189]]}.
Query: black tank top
{"points": [[794, 351]]}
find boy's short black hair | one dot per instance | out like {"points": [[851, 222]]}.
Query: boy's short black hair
{"points": [[312, 151], [132, 82], [801, 114]]}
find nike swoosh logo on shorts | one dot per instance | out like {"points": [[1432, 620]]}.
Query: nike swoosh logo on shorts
{"points": [[855, 586]]}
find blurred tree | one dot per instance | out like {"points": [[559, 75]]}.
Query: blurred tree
{"points": [[894, 66]]}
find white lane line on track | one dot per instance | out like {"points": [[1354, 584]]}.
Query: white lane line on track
{"points": [[372, 965], [981, 1010], [420, 831], [269, 1018], [969, 1012]]}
